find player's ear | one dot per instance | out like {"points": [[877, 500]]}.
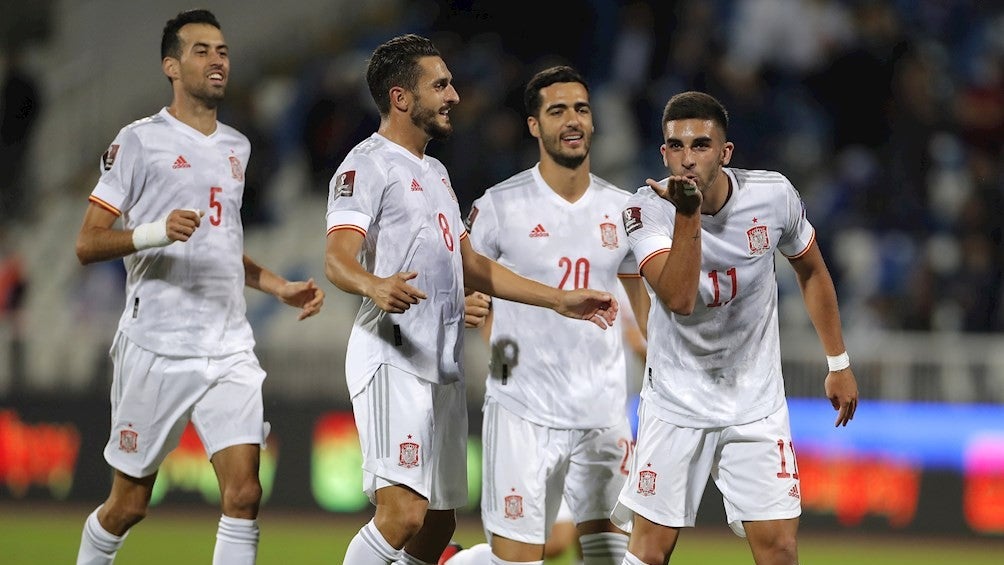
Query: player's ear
{"points": [[171, 68], [534, 126], [727, 152], [399, 98]]}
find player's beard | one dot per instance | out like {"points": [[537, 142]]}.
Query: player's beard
{"points": [[427, 120], [552, 145], [208, 96]]}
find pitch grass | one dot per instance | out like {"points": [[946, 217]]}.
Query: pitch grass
{"points": [[50, 534]]}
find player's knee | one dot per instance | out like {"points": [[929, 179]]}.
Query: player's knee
{"points": [[780, 550], [117, 516], [242, 500], [404, 520]]}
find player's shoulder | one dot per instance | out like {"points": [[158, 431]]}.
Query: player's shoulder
{"points": [[144, 126], [759, 179], [230, 132], [645, 195], [519, 181], [607, 189]]}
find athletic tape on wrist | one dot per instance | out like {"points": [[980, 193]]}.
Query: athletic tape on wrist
{"points": [[152, 234], [838, 362]]}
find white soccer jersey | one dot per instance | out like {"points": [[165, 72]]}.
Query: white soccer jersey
{"points": [[549, 369], [721, 365], [408, 213], [185, 299]]}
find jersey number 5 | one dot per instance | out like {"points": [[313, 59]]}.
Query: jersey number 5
{"points": [[215, 205]]}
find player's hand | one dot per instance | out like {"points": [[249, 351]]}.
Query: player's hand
{"points": [[842, 390], [598, 307], [393, 294], [477, 306], [682, 191], [181, 224], [305, 295]]}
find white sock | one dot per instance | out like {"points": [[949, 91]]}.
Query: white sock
{"points": [[631, 560], [408, 559], [236, 541], [97, 545], [499, 561], [369, 547], [605, 548], [479, 554]]}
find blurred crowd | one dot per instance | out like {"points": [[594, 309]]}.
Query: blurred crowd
{"points": [[887, 116]]}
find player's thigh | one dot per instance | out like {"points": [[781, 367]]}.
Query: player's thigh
{"points": [[152, 398], [598, 466], [396, 424], [231, 412], [523, 473], [670, 469], [757, 471], [448, 453]]}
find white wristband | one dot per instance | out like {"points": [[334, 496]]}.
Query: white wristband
{"points": [[838, 362], [152, 234]]}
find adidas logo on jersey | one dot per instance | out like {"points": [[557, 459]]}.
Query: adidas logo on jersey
{"points": [[415, 187], [539, 231], [794, 492], [180, 163]]}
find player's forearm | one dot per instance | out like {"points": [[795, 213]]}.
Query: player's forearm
{"points": [[96, 244], [485, 275], [347, 274], [820, 298], [680, 277], [260, 278]]}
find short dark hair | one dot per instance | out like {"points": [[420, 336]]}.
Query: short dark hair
{"points": [[170, 43], [696, 105], [395, 63], [545, 78]]}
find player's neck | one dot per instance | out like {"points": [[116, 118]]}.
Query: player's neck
{"points": [[408, 136], [721, 191], [569, 184], [199, 116]]}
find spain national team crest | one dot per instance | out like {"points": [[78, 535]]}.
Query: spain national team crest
{"points": [[453, 195], [608, 234], [646, 482], [128, 441], [408, 456], [236, 170], [759, 240], [513, 506]]}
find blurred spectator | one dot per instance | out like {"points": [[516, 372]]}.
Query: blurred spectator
{"points": [[20, 106], [13, 287]]}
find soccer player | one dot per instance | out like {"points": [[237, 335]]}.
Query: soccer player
{"points": [[184, 347], [554, 424], [713, 396], [396, 238]]}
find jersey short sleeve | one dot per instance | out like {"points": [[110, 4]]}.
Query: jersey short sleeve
{"points": [[355, 193], [798, 232], [484, 235], [122, 172], [648, 225]]}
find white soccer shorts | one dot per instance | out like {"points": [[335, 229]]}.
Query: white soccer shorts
{"points": [[529, 469], [753, 466], [153, 397], [413, 433]]}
